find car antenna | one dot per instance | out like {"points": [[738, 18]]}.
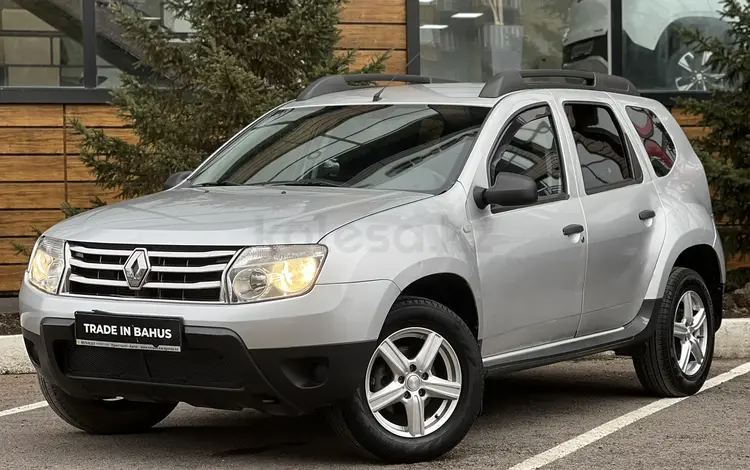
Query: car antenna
{"points": [[379, 95]]}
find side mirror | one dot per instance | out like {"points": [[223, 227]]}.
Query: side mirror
{"points": [[510, 189], [176, 179]]}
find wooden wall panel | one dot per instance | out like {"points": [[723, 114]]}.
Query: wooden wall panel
{"points": [[373, 36], [11, 277], [8, 253], [31, 195], [374, 11], [684, 119], [80, 194], [39, 115], [73, 140], [31, 168], [77, 171], [739, 262], [395, 64], [30, 140], [694, 132], [15, 223], [97, 115]]}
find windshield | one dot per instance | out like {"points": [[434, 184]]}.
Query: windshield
{"points": [[397, 147]]}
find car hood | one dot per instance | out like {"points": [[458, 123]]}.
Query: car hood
{"points": [[237, 216]]}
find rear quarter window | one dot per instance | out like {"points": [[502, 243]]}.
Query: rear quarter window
{"points": [[655, 139]]}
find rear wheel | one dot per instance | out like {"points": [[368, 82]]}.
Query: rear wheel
{"points": [[104, 416], [678, 356], [422, 389]]}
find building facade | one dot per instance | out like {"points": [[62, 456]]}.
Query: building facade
{"points": [[59, 58]]}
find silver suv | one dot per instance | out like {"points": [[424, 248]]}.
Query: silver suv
{"points": [[375, 251]]}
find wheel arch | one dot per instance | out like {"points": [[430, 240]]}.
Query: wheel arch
{"points": [[704, 260], [701, 256], [451, 290]]}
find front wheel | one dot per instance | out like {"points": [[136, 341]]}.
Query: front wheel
{"points": [[677, 358], [422, 389]]}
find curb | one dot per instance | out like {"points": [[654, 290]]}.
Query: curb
{"points": [[732, 342], [13, 358]]}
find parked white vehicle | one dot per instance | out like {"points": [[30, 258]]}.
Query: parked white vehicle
{"points": [[654, 54]]}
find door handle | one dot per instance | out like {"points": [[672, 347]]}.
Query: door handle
{"points": [[572, 229], [645, 215]]}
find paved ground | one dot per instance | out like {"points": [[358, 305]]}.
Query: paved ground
{"points": [[525, 414]]}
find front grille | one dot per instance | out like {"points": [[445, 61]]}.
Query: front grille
{"points": [[180, 273], [191, 367]]}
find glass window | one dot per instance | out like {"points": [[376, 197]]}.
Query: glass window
{"points": [[472, 40], [399, 147], [656, 140], [654, 54], [115, 53], [600, 145], [39, 46], [529, 147]]}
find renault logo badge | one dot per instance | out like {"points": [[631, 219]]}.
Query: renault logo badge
{"points": [[136, 268]]}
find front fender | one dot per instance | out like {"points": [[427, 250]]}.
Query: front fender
{"points": [[405, 244]]}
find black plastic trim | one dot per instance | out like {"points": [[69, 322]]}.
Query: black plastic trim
{"points": [[88, 13], [513, 80], [412, 38], [268, 377], [54, 95], [649, 309], [572, 229], [337, 83], [615, 31]]}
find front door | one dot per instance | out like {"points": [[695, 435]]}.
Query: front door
{"points": [[531, 259], [624, 217]]}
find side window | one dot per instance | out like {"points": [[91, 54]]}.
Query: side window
{"points": [[602, 151], [529, 147], [656, 140]]}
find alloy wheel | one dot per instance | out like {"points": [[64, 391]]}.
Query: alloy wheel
{"points": [[690, 333], [413, 382], [695, 74]]}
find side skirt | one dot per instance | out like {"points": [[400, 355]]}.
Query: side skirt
{"points": [[625, 340]]}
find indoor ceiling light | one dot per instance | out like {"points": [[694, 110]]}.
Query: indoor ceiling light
{"points": [[467, 15], [426, 1], [433, 26]]}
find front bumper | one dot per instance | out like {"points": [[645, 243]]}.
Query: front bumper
{"points": [[285, 357], [214, 370]]}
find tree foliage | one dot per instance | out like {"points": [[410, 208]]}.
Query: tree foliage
{"points": [[243, 58], [725, 149]]}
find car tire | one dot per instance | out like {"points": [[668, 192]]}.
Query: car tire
{"points": [[104, 416], [663, 369], [374, 434]]}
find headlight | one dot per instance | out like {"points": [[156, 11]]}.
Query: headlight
{"points": [[272, 272], [47, 264]]}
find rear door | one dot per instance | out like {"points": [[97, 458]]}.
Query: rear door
{"points": [[625, 223]]}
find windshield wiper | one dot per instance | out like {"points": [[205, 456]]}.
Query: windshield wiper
{"points": [[216, 183], [307, 182]]}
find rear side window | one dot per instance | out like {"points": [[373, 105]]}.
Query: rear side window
{"points": [[656, 140], [602, 151]]}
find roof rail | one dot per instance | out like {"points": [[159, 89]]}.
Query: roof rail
{"points": [[515, 80], [335, 83]]}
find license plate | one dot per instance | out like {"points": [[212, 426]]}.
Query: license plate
{"points": [[107, 330]]}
